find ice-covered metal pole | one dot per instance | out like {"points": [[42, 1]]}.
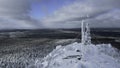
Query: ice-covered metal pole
{"points": [[82, 33], [88, 37], [85, 33]]}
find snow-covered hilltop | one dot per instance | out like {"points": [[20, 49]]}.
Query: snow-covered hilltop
{"points": [[78, 56], [82, 55]]}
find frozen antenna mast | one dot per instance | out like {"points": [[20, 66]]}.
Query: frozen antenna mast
{"points": [[85, 33], [88, 37], [82, 32]]}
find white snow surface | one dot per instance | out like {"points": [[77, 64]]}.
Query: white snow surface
{"points": [[77, 55]]}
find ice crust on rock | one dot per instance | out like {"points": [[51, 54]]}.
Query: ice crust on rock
{"points": [[77, 55]]}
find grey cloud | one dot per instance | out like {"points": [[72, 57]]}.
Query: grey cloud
{"points": [[14, 8], [15, 14], [11, 23], [110, 19], [82, 9]]}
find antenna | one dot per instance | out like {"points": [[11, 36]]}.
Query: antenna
{"points": [[88, 37], [85, 33], [82, 32]]}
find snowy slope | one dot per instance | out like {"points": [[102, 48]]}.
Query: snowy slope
{"points": [[77, 55]]}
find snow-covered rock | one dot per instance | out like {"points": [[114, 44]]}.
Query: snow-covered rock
{"points": [[77, 55]]}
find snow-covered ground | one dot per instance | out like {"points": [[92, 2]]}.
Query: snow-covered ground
{"points": [[77, 55]]}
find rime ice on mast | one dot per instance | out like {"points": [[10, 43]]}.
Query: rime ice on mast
{"points": [[85, 33]]}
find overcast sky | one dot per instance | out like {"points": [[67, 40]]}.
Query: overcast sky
{"points": [[31, 14]]}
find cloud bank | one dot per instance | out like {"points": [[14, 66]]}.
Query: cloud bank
{"points": [[71, 15], [14, 8], [14, 14]]}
